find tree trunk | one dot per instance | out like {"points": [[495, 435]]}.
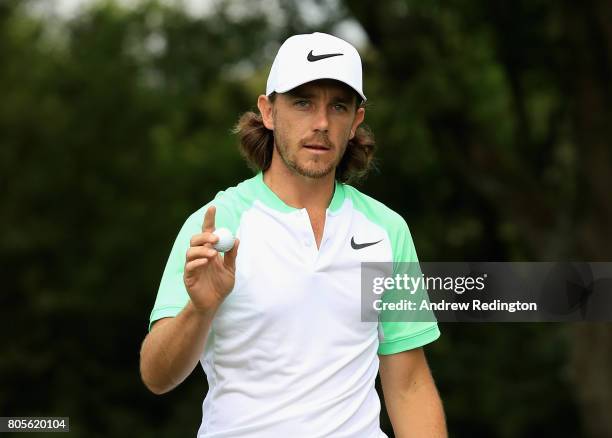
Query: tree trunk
{"points": [[589, 36]]}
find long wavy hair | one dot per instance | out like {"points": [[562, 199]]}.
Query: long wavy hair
{"points": [[257, 145]]}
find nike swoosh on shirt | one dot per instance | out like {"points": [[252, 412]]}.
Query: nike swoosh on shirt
{"points": [[313, 58], [362, 245]]}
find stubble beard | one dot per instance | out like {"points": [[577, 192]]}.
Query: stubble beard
{"points": [[292, 164]]}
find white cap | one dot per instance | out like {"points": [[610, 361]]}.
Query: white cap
{"points": [[308, 57]]}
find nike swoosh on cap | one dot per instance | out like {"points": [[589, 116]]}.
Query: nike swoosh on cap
{"points": [[362, 245], [313, 58]]}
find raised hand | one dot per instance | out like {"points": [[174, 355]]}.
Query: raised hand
{"points": [[208, 276]]}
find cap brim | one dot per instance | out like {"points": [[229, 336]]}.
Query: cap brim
{"points": [[292, 85]]}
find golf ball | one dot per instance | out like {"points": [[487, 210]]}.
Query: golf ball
{"points": [[226, 240]]}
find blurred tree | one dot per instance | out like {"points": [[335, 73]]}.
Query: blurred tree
{"points": [[587, 72]]}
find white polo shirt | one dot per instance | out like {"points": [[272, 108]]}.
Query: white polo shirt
{"points": [[288, 354]]}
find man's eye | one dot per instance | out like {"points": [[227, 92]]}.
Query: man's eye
{"points": [[340, 107], [301, 103]]}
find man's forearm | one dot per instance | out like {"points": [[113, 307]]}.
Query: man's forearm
{"points": [[173, 348], [417, 412]]}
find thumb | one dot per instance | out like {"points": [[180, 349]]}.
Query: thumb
{"points": [[229, 258]]}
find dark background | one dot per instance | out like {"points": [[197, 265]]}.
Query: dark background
{"points": [[494, 126]]}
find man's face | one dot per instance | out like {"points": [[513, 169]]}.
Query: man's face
{"points": [[312, 125]]}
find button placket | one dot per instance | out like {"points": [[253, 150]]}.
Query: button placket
{"points": [[308, 237], [326, 228]]}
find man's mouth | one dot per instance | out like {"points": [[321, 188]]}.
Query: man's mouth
{"points": [[316, 147]]}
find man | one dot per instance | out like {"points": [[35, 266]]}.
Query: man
{"points": [[276, 321]]}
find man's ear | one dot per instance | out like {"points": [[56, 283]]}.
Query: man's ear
{"points": [[265, 108], [359, 116]]}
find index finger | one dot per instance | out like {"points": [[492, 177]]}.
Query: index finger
{"points": [[209, 219]]}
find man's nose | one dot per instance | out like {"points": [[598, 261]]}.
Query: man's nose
{"points": [[321, 119]]}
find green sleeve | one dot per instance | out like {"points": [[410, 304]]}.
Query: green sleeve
{"points": [[172, 295], [400, 336]]}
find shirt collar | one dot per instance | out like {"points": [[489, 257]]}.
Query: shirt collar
{"points": [[270, 199]]}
